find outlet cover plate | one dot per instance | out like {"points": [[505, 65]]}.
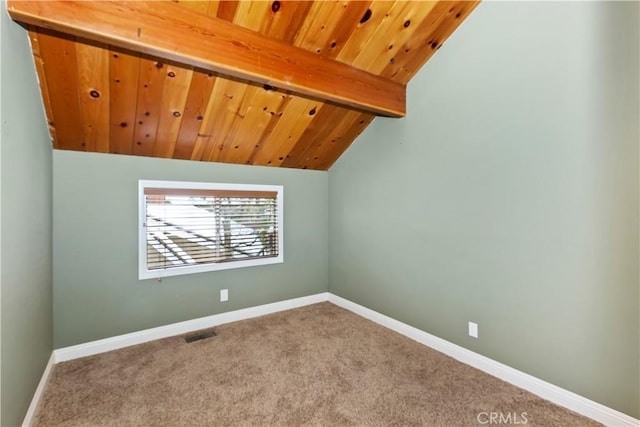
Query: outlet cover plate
{"points": [[473, 329]]}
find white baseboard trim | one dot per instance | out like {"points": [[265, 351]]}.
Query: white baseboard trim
{"points": [[134, 338], [548, 391], [29, 418]]}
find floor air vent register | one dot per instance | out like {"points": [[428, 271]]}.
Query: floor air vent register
{"points": [[200, 336]]}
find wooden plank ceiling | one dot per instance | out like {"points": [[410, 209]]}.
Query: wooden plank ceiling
{"points": [[274, 83]]}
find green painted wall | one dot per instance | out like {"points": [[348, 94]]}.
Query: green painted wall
{"points": [[97, 293], [25, 261], [508, 196]]}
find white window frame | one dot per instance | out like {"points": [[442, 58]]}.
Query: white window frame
{"points": [[144, 273]]}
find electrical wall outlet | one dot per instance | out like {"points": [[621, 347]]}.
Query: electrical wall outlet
{"points": [[224, 295], [473, 329]]}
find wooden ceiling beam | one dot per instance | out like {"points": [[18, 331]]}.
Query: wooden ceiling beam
{"points": [[165, 30]]}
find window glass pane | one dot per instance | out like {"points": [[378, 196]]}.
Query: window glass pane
{"points": [[203, 227]]}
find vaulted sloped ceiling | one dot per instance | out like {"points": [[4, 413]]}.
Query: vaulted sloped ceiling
{"points": [[277, 83]]}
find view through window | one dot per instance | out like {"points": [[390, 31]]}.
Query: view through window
{"points": [[194, 227]]}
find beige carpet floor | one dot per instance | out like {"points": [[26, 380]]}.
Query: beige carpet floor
{"points": [[316, 365]]}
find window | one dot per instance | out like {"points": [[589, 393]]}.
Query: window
{"points": [[187, 227]]}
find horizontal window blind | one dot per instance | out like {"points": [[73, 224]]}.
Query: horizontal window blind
{"points": [[193, 227]]}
